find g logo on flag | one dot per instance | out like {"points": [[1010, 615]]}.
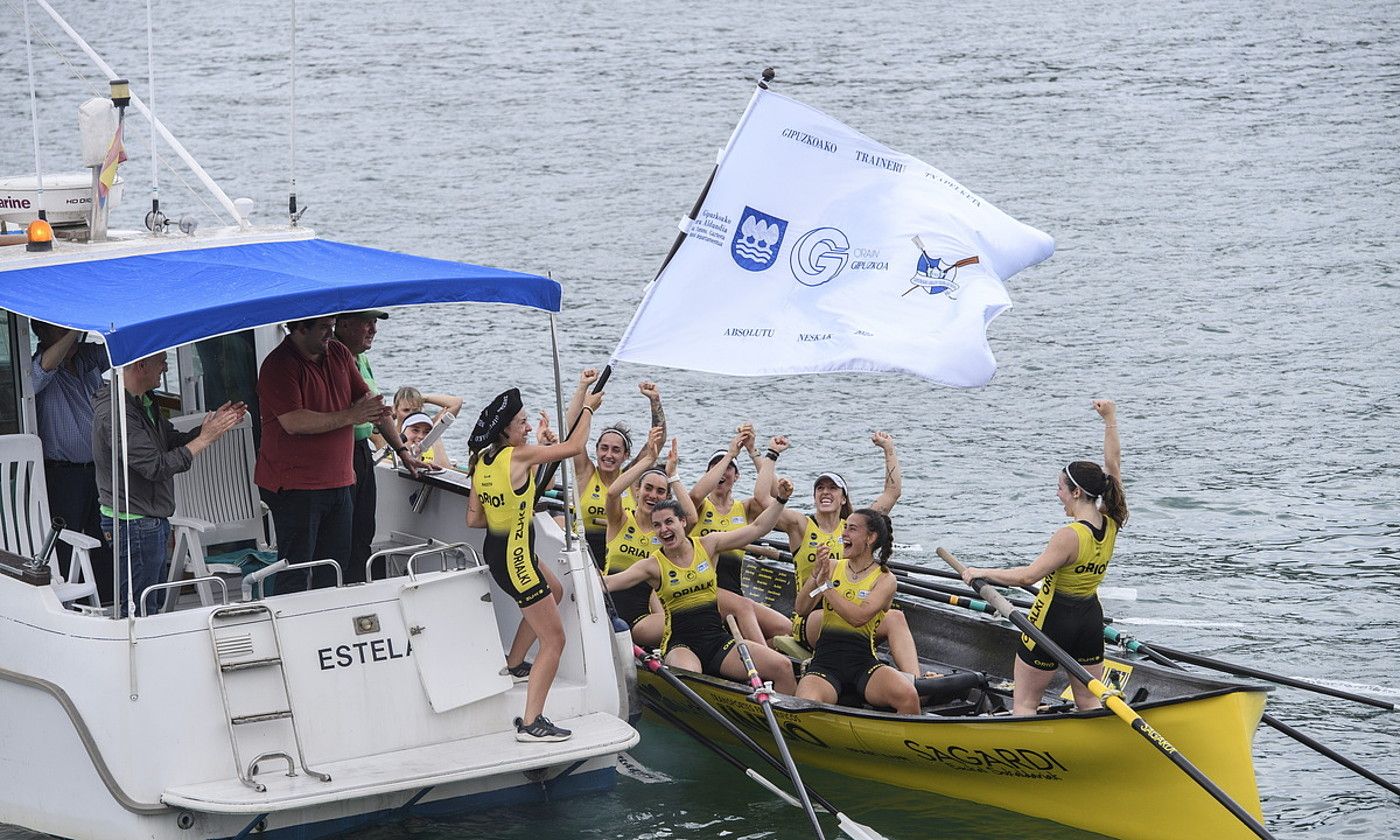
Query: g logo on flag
{"points": [[820, 255], [757, 240]]}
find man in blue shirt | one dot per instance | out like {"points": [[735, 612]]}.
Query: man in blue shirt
{"points": [[66, 373]]}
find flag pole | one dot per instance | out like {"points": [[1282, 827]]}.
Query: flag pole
{"points": [[767, 75]]}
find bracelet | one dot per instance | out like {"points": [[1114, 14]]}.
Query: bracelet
{"points": [[772, 454], [780, 500], [587, 408], [401, 448], [675, 479]]}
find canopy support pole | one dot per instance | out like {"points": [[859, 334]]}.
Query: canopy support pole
{"points": [[563, 427]]}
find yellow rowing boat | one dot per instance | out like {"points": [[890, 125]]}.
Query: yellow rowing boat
{"points": [[1085, 770]]}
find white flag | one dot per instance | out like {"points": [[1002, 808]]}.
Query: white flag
{"points": [[819, 249]]}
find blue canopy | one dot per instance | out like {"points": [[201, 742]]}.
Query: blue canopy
{"points": [[146, 303]]}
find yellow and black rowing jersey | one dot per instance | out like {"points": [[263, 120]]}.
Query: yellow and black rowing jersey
{"points": [[592, 501], [857, 592], [712, 521], [686, 588], [630, 544], [508, 545], [804, 557], [1081, 577]]}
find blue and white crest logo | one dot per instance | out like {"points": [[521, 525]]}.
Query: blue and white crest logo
{"points": [[936, 275], [820, 255], [757, 240]]}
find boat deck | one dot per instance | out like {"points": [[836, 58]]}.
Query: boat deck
{"points": [[488, 755]]}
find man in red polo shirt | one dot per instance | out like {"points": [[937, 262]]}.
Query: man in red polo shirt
{"points": [[311, 396]]}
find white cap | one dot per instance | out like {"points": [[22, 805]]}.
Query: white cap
{"points": [[414, 420], [835, 479]]}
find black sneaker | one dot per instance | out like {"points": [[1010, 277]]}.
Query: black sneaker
{"points": [[520, 673], [540, 731]]}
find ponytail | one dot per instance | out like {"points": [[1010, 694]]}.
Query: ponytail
{"points": [[1091, 480], [884, 535], [1113, 504]]}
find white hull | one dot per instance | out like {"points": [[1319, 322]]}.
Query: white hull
{"points": [[155, 717]]}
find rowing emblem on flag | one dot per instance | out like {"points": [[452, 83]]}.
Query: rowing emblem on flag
{"points": [[757, 240], [935, 276]]}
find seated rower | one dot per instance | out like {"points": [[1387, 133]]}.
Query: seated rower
{"points": [[823, 528], [855, 592], [631, 536], [719, 511], [683, 574], [612, 452]]}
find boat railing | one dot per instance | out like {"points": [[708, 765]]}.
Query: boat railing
{"points": [[391, 551], [179, 584], [258, 580], [441, 549]]}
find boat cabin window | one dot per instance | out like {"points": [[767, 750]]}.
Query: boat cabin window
{"points": [[10, 360], [226, 370]]}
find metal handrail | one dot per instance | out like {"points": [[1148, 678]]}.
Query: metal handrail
{"points": [[253, 769], [386, 553], [253, 579], [176, 584], [89, 743], [273, 571], [440, 549]]}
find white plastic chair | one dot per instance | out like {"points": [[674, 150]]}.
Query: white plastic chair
{"points": [[216, 501], [25, 520]]}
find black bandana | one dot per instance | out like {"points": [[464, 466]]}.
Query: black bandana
{"points": [[494, 419]]}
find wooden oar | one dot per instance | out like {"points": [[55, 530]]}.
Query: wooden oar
{"points": [[1112, 635], [657, 709], [761, 695], [655, 665], [1111, 701]]}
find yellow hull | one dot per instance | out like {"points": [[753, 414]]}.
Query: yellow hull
{"points": [[1087, 771]]}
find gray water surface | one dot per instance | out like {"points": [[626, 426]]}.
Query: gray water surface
{"points": [[1220, 179]]}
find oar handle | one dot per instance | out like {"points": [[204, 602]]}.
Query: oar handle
{"points": [[986, 590]]}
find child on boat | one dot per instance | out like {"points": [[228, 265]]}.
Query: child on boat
{"points": [[409, 401], [1072, 567], [414, 429]]}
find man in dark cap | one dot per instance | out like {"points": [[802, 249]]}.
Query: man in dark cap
{"points": [[356, 330]]}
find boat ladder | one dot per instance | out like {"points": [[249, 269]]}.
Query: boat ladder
{"points": [[252, 650]]}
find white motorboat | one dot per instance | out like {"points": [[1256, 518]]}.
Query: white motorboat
{"points": [[233, 712]]}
